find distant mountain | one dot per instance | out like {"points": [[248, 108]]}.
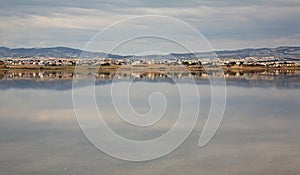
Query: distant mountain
{"points": [[283, 52], [56, 52]]}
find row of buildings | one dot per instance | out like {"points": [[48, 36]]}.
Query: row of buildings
{"points": [[250, 61]]}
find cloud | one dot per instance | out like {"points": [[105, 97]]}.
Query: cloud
{"points": [[27, 23]]}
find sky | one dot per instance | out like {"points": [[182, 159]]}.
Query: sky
{"points": [[227, 25]]}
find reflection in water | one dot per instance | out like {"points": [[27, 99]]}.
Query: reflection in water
{"points": [[259, 133], [63, 79]]}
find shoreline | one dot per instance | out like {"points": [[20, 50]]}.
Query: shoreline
{"points": [[154, 67]]}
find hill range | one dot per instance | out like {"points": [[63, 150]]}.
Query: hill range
{"points": [[282, 52]]}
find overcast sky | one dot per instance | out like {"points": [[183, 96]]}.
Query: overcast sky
{"points": [[229, 24]]}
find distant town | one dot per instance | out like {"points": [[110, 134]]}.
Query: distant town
{"points": [[228, 62], [280, 57]]}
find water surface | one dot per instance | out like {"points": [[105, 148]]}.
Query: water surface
{"points": [[259, 133]]}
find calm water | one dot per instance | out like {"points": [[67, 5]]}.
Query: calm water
{"points": [[259, 133]]}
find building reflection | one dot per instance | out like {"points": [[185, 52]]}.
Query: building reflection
{"points": [[277, 78]]}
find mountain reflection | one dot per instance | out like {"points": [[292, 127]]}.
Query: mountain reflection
{"points": [[62, 80]]}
